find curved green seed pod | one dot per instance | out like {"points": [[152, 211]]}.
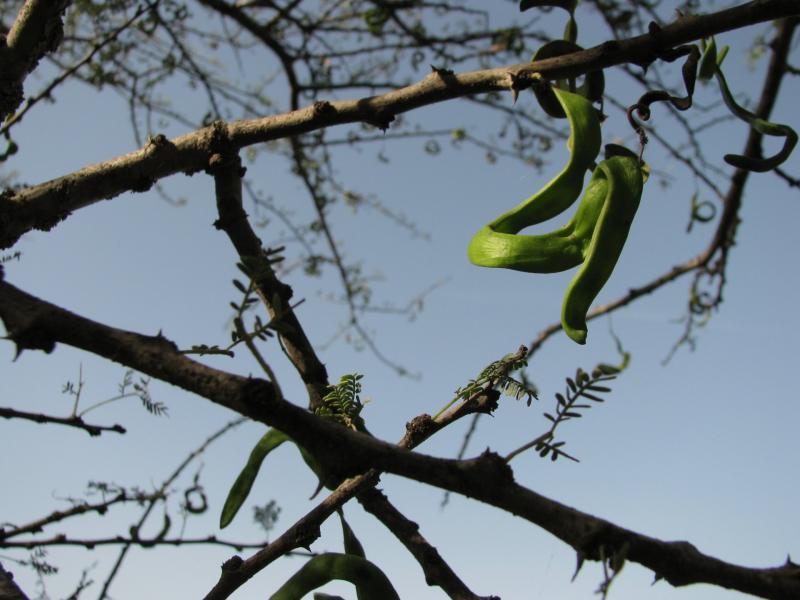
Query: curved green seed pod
{"points": [[368, 579], [490, 245], [552, 252], [624, 175], [244, 482], [760, 165], [591, 89]]}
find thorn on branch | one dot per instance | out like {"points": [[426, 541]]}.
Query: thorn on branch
{"points": [[516, 84], [445, 74]]}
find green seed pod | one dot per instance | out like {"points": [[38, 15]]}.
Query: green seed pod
{"points": [[323, 568], [244, 482], [552, 252], [624, 175], [497, 244]]}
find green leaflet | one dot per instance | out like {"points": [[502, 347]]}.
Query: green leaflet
{"points": [[497, 244], [624, 190], [369, 580], [244, 482]]}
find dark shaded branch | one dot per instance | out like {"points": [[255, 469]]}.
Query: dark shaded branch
{"points": [[227, 171], [81, 509], [90, 544], [43, 206], [68, 72], [32, 323], [9, 590], [437, 571], [37, 30], [93, 430]]}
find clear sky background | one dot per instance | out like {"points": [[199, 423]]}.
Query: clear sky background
{"points": [[704, 449]]}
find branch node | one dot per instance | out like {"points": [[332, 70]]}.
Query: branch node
{"points": [[323, 108], [232, 564]]}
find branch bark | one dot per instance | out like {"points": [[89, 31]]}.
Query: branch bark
{"points": [[437, 571], [78, 422], [9, 590], [36, 31]]}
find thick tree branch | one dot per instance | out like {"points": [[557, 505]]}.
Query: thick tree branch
{"points": [[32, 323], [43, 206], [236, 571], [36, 31], [9, 590]]}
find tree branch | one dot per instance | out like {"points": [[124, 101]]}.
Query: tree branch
{"points": [[437, 571], [9, 590], [344, 452], [93, 430], [100, 508], [90, 544], [36, 31], [44, 205], [227, 171]]}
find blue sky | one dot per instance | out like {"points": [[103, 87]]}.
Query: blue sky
{"points": [[704, 449]]}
